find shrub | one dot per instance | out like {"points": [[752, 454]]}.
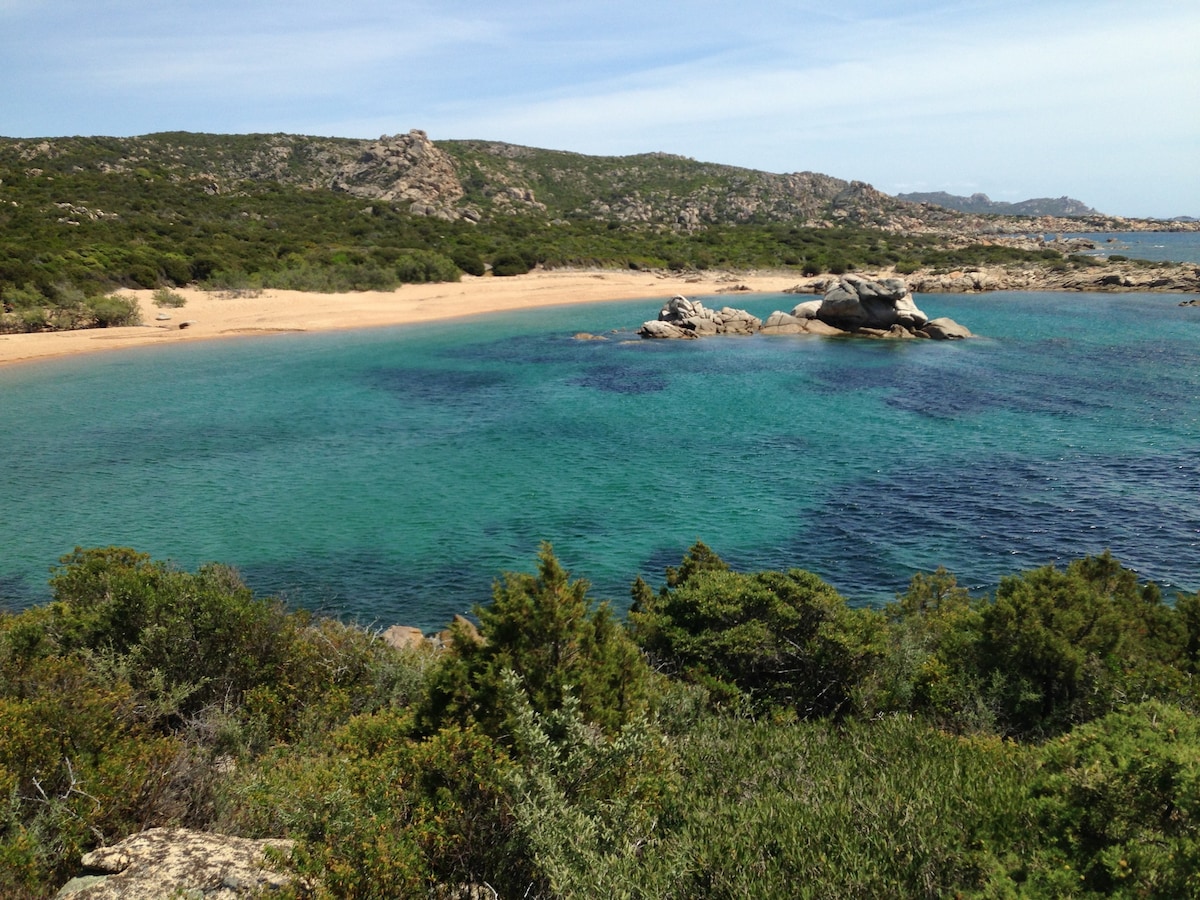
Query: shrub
{"points": [[382, 812], [1061, 647], [425, 266], [164, 297], [548, 631], [883, 808], [510, 264], [1118, 803], [469, 261], [78, 768], [780, 638]]}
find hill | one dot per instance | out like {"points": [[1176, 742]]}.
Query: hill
{"points": [[82, 215], [981, 204]]}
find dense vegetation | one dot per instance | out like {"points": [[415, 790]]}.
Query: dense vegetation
{"points": [[84, 216], [742, 735]]}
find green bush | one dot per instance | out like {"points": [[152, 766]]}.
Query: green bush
{"points": [[165, 297], [114, 311], [425, 266], [469, 261], [78, 768], [1061, 647], [510, 264], [1118, 804], [382, 812], [779, 638], [548, 631]]}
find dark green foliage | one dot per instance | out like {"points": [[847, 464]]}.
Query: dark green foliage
{"points": [[541, 757], [1119, 799], [381, 812], [469, 261], [509, 264], [546, 630], [1064, 646], [779, 638]]}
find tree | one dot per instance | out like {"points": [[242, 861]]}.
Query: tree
{"points": [[547, 630], [779, 638], [1064, 646]]}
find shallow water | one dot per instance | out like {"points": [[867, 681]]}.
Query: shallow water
{"points": [[391, 474]]}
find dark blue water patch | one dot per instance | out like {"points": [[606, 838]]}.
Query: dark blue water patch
{"points": [[374, 589], [615, 379], [435, 386], [523, 350], [997, 516], [18, 592]]}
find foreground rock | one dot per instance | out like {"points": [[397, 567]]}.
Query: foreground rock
{"points": [[176, 862], [850, 306]]}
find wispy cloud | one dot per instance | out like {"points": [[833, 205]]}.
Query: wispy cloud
{"points": [[1055, 96]]}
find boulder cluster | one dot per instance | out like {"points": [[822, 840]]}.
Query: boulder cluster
{"points": [[850, 306]]}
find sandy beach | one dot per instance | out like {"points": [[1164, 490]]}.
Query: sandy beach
{"points": [[213, 316]]}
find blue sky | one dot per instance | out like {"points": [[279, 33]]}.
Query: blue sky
{"points": [[1097, 100]]}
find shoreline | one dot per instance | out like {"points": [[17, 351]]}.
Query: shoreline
{"points": [[212, 315]]}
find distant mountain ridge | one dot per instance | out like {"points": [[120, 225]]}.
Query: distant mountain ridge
{"points": [[981, 204]]}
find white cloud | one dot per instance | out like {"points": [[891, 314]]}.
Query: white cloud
{"points": [[938, 92]]}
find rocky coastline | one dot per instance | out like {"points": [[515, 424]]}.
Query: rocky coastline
{"points": [[852, 306]]}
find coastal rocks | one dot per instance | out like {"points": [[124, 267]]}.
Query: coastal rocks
{"points": [[856, 303], [790, 323], [944, 329], [176, 862], [850, 306], [684, 318], [403, 637]]}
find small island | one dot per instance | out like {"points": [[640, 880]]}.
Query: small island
{"points": [[850, 306]]}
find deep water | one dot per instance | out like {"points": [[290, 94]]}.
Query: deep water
{"points": [[390, 475]]}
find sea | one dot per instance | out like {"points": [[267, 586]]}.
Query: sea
{"points": [[392, 475]]}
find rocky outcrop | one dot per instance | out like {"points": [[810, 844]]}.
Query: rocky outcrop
{"points": [[403, 168], [404, 637], [850, 306], [854, 303], [684, 318], [176, 862]]}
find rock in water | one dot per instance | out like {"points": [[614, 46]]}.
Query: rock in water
{"points": [[852, 305], [855, 303], [684, 318], [945, 330]]}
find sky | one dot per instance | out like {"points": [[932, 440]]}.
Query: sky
{"points": [[1096, 100]]}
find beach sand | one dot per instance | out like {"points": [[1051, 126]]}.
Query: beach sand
{"points": [[212, 315]]}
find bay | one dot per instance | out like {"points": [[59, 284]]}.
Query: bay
{"points": [[1159, 246], [390, 475]]}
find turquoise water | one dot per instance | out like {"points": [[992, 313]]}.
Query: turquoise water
{"points": [[1161, 246], [391, 474]]}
